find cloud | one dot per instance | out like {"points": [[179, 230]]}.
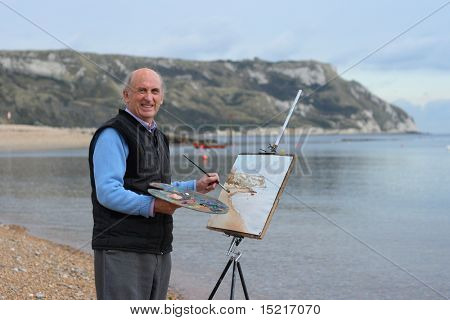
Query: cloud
{"points": [[187, 39], [426, 52], [224, 41]]}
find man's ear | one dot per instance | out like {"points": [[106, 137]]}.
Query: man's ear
{"points": [[125, 95]]}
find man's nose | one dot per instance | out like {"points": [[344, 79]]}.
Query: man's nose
{"points": [[149, 96]]}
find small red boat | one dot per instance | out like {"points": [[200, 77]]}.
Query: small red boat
{"points": [[198, 145]]}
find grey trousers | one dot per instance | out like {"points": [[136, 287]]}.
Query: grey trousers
{"points": [[123, 275]]}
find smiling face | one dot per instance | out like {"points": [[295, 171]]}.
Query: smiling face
{"points": [[144, 94]]}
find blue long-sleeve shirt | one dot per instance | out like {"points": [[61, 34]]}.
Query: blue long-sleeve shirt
{"points": [[110, 157]]}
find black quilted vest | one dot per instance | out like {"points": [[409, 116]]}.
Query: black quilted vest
{"points": [[148, 161]]}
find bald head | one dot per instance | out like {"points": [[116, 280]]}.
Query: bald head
{"points": [[144, 93], [139, 74]]}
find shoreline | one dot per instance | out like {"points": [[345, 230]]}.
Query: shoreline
{"points": [[36, 138], [33, 268], [19, 137]]}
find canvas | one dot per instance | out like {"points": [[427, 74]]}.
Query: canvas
{"points": [[256, 183]]}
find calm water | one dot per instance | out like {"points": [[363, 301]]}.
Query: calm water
{"points": [[391, 192]]}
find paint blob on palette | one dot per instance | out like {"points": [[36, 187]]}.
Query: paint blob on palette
{"points": [[187, 198]]}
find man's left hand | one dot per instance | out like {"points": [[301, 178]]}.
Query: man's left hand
{"points": [[206, 184]]}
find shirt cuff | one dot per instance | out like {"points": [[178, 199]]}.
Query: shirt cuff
{"points": [[151, 211], [148, 206], [186, 185]]}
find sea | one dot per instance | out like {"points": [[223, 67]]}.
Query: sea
{"points": [[361, 217]]}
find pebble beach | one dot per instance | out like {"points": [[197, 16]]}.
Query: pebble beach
{"points": [[32, 268]]}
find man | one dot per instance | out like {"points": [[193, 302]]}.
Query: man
{"points": [[132, 234]]}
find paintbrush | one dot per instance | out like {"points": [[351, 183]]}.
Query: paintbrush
{"points": [[200, 168]]}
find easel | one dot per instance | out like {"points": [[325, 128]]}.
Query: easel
{"points": [[234, 258]]}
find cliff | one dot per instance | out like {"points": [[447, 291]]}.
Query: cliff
{"points": [[63, 88]]}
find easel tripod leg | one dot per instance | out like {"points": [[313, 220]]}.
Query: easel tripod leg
{"points": [[236, 263], [213, 293], [233, 280], [241, 275]]}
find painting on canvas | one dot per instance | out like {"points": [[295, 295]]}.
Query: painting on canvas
{"points": [[256, 183]]}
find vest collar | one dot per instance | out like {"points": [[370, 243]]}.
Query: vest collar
{"points": [[149, 126]]}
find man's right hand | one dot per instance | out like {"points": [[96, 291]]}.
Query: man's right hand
{"points": [[165, 207]]}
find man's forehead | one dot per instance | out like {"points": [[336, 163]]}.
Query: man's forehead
{"points": [[145, 76]]}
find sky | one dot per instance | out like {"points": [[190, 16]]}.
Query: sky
{"points": [[415, 67]]}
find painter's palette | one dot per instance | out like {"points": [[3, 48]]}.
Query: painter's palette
{"points": [[187, 198]]}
